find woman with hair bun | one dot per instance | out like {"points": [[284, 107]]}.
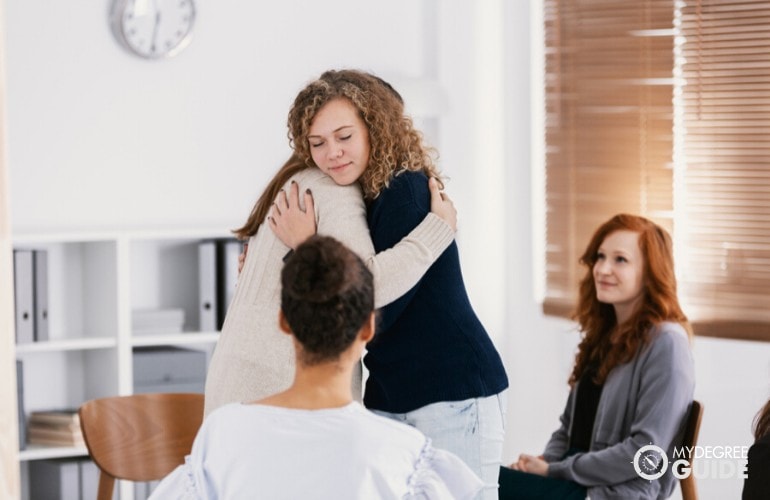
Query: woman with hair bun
{"points": [[313, 441]]}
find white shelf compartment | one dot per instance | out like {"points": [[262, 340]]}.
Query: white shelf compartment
{"points": [[62, 379], [76, 344], [175, 339], [82, 286], [37, 452]]}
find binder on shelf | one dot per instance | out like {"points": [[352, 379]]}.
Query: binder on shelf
{"points": [[54, 479], [142, 491], [40, 272], [89, 480], [64, 479], [230, 250], [23, 284], [207, 276], [20, 404], [218, 274]]}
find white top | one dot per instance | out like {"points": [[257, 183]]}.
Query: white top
{"points": [[254, 451]]}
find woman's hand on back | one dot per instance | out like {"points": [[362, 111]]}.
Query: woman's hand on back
{"points": [[288, 221], [441, 204], [242, 257]]}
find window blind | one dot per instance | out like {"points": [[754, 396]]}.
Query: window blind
{"points": [[608, 123], [622, 135], [723, 209]]}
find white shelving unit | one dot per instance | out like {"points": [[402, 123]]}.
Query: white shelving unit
{"points": [[95, 280]]}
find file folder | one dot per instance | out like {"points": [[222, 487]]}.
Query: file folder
{"points": [[20, 404], [207, 283], [54, 479], [89, 480], [230, 250], [40, 270], [218, 275], [24, 296]]}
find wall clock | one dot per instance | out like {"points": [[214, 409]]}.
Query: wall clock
{"points": [[153, 29]]}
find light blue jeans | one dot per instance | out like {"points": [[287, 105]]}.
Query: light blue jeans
{"points": [[472, 429]]}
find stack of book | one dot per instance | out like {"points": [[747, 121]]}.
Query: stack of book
{"points": [[157, 321], [55, 428]]}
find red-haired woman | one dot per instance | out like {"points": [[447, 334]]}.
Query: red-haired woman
{"points": [[633, 379]]}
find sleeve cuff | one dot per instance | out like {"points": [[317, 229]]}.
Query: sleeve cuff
{"points": [[435, 233]]}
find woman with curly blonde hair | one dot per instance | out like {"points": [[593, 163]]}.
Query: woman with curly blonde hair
{"points": [[252, 358], [432, 364], [633, 379]]}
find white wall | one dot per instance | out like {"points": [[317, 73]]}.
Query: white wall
{"points": [[98, 138]]}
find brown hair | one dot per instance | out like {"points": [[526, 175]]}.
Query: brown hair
{"points": [[327, 295], [606, 344], [396, 146], [762, 422], [265, 201]]}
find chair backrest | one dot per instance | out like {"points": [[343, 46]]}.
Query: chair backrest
{"points": [[691, 430], [141, 437]]}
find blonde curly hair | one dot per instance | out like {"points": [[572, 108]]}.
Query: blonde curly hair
{"points": [[396, 146]]}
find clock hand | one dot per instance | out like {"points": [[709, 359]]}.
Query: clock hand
{"points": [[155, 31]]}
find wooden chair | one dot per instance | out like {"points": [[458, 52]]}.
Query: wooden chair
{"points": [[141, 437], [692, 428]]}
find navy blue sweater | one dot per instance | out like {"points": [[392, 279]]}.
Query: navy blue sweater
{"points": [[430, 346]]}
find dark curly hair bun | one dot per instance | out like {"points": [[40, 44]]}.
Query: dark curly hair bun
{"points": [[320, 276], [327, 295]]}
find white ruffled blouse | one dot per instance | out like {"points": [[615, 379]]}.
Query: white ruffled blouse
{"points": [[253, 451]]}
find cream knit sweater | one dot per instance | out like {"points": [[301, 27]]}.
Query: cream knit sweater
{"points": [[253, 358]]}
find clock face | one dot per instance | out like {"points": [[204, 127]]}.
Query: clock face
{"points": [[154, 28]]}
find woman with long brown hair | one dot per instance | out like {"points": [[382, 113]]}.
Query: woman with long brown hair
{"points": [[756, 486], [633, 378], [252, 359], [432, 363]]}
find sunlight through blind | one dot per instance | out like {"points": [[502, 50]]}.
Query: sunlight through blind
{"points": [[609, 117], [723, 213], [613, 112]]}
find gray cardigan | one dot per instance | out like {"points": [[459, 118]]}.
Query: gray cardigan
{"points": [[644, 401]]}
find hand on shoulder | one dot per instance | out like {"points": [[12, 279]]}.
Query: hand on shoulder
{"points": [[288, 221], [441, 204]]}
